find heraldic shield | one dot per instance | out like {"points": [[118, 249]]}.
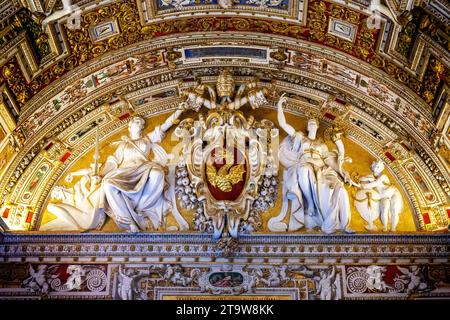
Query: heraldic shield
{"points": [[228, 168], [226, 173]]}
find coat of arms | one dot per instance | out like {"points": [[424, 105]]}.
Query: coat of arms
{"points": [[226, 171]]}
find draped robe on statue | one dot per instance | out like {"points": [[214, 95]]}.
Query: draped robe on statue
{"points": [[134, 186], [311, 161]]}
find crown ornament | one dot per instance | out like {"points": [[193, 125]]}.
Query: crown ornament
{"points": [[225, 84]]}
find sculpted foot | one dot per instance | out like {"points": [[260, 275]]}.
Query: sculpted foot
{"points": [[371, 228], [349, 231]]}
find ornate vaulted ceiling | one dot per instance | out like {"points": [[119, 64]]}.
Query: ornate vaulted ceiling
{"points": [[384, 76], [373, 75]]}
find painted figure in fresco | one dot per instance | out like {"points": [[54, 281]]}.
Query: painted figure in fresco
{"points": [[114, 72], [135, 187], [225, 4], [378, 90], [79, 208], [225, 282], [379, 198], [75, 92], [313, 180]]}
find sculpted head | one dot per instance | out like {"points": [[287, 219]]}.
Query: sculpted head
{"points": [[129, 272], [135, 127], [377, 167], [313, 126]]}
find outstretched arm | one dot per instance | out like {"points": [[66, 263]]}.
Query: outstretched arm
{"points": [[81, 172], [173, 119], [341, 153], [336, 136], [281, 118], [333, 272], [113, 161], [383, 179], [370, 185]]}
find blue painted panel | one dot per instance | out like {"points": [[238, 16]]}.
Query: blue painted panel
{"points": [[253, 53]]}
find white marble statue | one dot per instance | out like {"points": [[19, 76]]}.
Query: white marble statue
{"points": [[378, 198], [328, 285], [255, 277], [135, 187], [132, 189], [313, 180], [125, 285], [79, 207]]}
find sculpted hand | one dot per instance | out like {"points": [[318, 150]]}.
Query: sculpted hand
{"points": [[346, 176], [282, 100], [183, 106], [96, 179]]}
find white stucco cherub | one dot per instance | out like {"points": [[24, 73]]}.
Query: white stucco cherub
{"points": [[377, 197]]}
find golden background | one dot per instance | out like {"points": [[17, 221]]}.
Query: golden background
{"points": [[361, 164]]}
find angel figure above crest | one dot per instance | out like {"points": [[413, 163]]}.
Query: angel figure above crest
{"points": [[313, 180], [225, 96]]}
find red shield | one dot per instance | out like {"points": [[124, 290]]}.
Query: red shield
{"points": [[226, 173]]}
